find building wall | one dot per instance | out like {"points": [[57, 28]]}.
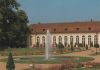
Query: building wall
{"points": [[33, 38]]}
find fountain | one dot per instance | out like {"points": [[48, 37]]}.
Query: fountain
{"points": [[47, 46]]}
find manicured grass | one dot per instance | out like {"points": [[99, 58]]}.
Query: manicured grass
{"points": [[35, 51], [31, 51], [53, 60], [24, 51]]}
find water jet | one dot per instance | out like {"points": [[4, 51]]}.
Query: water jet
{"points": [[47, 46]]}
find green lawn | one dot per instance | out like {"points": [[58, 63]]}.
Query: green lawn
{"points": [[30, 51], [35, 51], [53, 60]]}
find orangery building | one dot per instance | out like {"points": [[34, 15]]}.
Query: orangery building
{"points": [[83, 33]]}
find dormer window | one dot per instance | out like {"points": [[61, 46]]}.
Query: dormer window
{"points": [[43, 29], [77, 29], [54, 29], [89, 28], [65, 29]]}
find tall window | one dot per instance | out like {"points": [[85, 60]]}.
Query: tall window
{"points": [[71, 39], [65, 40], [89, 40], [83, 40], [43, 41], [77, 39], [54, 41], [60, 39], [38, 39], [95, 39]]}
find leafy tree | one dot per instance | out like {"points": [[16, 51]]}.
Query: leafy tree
{"points": [[68, 45], [87, 47], [96, 46], [65, 44], [61, 47], [72, 48], [75, 44], [13, 24], [91, 44], [37, 45], [10, 62], [80, 45]]}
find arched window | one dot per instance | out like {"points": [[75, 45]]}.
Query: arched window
{"points": [[60, 39], [38, 42], [83, 40], [71, 39], [54, 38], [38, 39], [54, 29], [54, 41], [89, 39], [77, 29], [66, 29], [77, 39], [95, 39], [65, 40], [43, 41]]}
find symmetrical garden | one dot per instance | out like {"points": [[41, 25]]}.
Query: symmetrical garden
{"points": [[61, 58]]}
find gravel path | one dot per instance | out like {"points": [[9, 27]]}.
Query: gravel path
{"points": [[17, 65]]}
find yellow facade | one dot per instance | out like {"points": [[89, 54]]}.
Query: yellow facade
{"points": [[33, 38]]}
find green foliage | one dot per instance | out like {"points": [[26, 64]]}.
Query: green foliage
{"points": [[30, 51], [37, 44], [86, 47], [10, 62], [61, 47], [13, 25], [72, 48], [96, 46], [75, 44], [91, 44], [80, 45]]}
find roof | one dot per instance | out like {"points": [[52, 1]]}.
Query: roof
{"points": [[66, 27]]}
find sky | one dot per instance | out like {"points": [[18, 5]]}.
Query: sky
{"points": [[45, 11]]}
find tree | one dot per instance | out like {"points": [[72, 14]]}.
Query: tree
{"points": [[61, 47], [68, 45], [72, 48], [96, 46], [75, 45], [37, 45], [10, 62], [13, 24], [91, 44], [86, 47], [80, 45]]}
